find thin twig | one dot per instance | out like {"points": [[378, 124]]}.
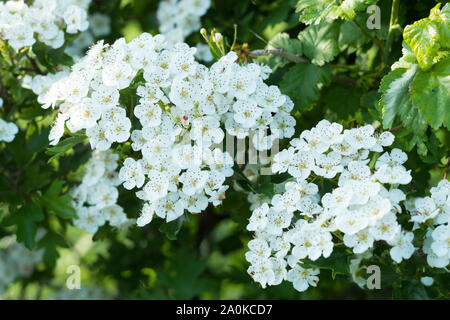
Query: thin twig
{"points": [[27, 69], [446, 170], [35, 66], [396, 128], [259, 37]]}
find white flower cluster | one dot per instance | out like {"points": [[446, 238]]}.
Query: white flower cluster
{"points": [[42, 85], [179, 18], [16, 261], [95, 199], [45, 20], [436, 210], [182, 108], [300, 223], [8, 130], [99, 25]]}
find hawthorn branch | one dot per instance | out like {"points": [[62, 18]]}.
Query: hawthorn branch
{"points": [[34, 66], [396, 128]]}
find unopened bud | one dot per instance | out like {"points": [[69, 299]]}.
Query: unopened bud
{"points": [[218, 37]]}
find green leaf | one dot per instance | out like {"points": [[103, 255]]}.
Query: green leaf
{"points": [[413, 119], [369, 101], [20, 154], [410, 290], [397, 101], [282, 40], [50, 243], [388, 275], [427, 36], [172, 228], [279, 19], [423, 38], [443, 283], [430, 94], [279, 178], [51, 58], [185, 279], [316, 10], [25, 219], [264, 185], [103, 233], [351, 35], [61, 205], [38, 140], [337, 262], [311, 10], [348, 8], [302, 83], [36, 178], [442, 20], [244, 182], [320, 42], [407, 60], [5, 184], [63, 146], [343, 100]]}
